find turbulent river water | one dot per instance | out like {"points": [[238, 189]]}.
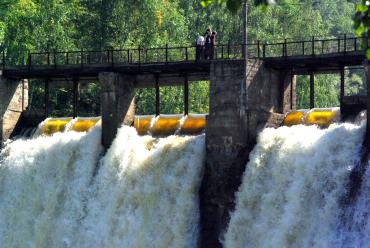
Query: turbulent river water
{"points": [[143, 195], [145, 192], [293, 189]]}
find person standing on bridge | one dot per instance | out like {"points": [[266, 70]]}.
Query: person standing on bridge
{"points": [[213, 45], [199, 48], [207, 45]]}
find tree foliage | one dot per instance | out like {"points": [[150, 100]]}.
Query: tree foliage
{"points": [[39, 25], [362, 22]]}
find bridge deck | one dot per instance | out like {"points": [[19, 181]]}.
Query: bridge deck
{"points": [[172, 63]]}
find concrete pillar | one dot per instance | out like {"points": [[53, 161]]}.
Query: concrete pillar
{"points": [[237, 112], [288, 96], [117, 99], [13, 100]]}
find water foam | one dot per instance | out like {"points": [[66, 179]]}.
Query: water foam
{"points": [[43, 188], [293, 186], [144, 194]]}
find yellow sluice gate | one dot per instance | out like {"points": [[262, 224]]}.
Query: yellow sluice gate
{"points": [[322, 117], [170, 124], [294, 118], [194, 124], [144, 124], [84, 124], [53, 125]]}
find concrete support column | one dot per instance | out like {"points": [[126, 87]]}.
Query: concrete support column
{"points": [[13, 100], [226, 149], [117, 101], [288, 96], [238, 110]]}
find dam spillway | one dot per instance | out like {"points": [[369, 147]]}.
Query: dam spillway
{"points": [[293, 188], [143, 195], [145, 191]]}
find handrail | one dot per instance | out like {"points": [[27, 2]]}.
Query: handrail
{"points": [[165, 54]]}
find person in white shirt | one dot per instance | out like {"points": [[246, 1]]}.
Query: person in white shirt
{"points": [[199, 47]]}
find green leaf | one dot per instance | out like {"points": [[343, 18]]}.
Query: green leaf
{"points": [[359, 30], [368, 53], [361, 8]]}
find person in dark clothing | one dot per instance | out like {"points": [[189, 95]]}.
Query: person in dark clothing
{"points": [[213, 45], [207, 43]]}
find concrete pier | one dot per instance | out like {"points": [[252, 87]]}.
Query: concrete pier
{"points": [[117, 101], [237, 112], [13, 100]]}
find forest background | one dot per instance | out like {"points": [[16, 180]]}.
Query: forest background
{"points": [[65, 25]]}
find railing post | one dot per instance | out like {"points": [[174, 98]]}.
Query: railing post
{"points": [[222, 51], [82, 57], [186, 54], [313, 46], [264, 50], [3, 59], [128, 56], [228, 49], [55, 58], [303, 47], [322, 46], [139, 49], [258, 49], [355, 41], [29, 61], [285, 48], [166, 53], [112, 59], [48, 57], [338, 40], [345, 44], [67, 58]]}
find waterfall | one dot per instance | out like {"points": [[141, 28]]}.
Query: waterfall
{"points": [[143, 195], [293, 189]]}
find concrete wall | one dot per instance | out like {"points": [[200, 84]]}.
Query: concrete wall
{"points": [[13, 100], [117, 99], [239, 109]]}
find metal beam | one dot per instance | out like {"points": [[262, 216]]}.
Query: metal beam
{"points": [[186, 95], [75, 97], [22, 94], [157, 96], [342, 78], [312, 90], [291, 90], [46, 98]]}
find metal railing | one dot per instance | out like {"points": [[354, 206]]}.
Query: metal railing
{"points": [[166, 54]]}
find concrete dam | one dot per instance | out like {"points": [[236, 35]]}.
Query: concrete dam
{"points": [[253, 172]]}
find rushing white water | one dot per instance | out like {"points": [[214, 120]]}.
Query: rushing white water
{"points": [[144, 194], [293, 187]]}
